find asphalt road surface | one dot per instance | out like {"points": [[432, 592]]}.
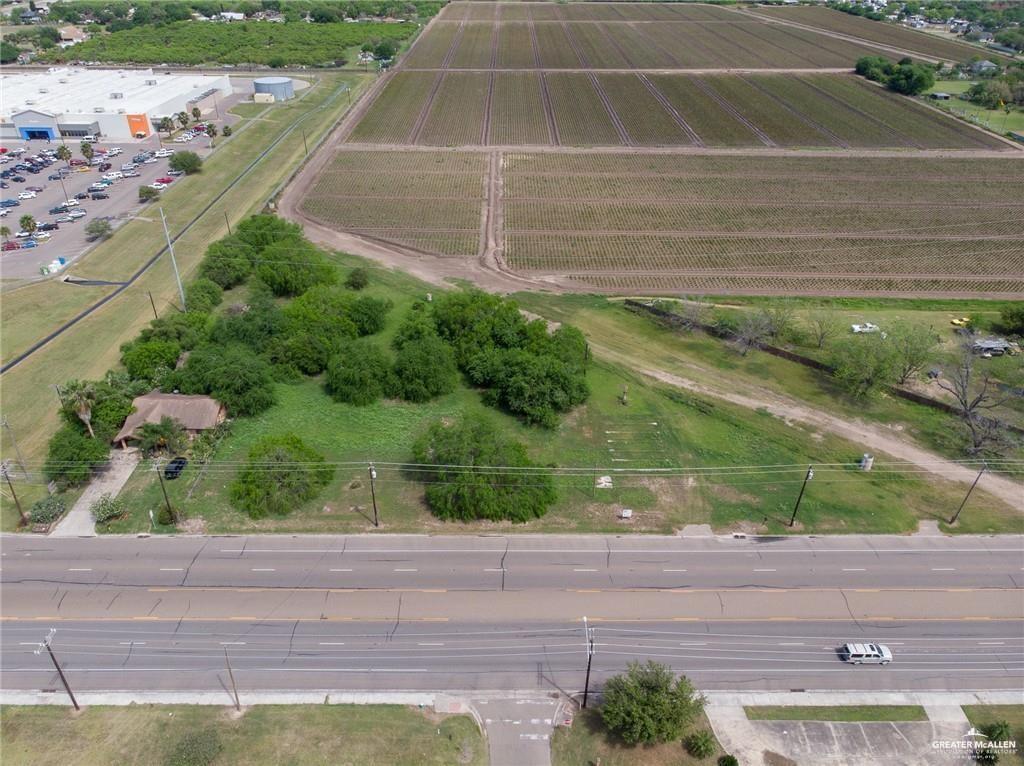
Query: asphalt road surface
{"points": [[437, 613]]}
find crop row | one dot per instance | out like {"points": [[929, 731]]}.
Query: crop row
{"points": [[460, 244], [396, 109], [580, 115], [414, 164], [397, 183], [515, 46], [474, 47], [457, 114], [430, 50], [643, 11], [517, 111]]}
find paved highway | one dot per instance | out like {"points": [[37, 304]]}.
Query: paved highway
{"points": [[405, 612]]}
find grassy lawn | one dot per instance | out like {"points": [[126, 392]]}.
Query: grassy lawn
{"points": [[981, 715], [92, 347], [659, 427], [588, 743], [247, 110], [853, 713], [271, 735], [996, 120]]}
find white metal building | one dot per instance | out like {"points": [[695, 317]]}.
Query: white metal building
{"points": [[115, 104]]}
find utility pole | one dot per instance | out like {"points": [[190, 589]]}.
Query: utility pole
{"points": [[17, 450], [152, 303], [17, 502], [49, 649], [304, 143], [589, 640], [373, 494], [984, 467], [231, 675], [174, 263], [807, 478], [227, 222], [163, 488]]}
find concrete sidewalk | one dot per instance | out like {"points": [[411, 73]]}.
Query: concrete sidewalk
{"points": [[79, 521]]}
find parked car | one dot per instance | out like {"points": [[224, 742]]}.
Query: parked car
{"points": [[76, 163], [163, 153], [28, 243], [58, 209], [82, 195], [23, 234], [41, 236], [71, 202], [64, 219], [104, 167], [165, 180], [9, 203], [34, 188], [113, 176], [128, 166], [26, 195], [54, 177], [18, 179], [175, 467], [11, 245], [150, 161], [99, 195], [175, 173], [158, 186], [131, 174], [75, 214], [47, 227]]}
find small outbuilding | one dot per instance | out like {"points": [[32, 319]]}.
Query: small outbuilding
{"points": [[940, 96], [194, 413]]}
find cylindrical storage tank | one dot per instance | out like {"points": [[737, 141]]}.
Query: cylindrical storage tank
{"points": [[281, 88]]}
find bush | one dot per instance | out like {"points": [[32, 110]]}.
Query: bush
{"points": [[108, 508], [197, 747], [282, 473], [233, 375], [203, 295], [648, 704], [1011, 319], [424, 369], [111, 404], [536, 387], [148, 194], [462, 494], [188, 330], [728, 760], [357, 373], [165, 517], [258, 231], [228, 261], [73, 456], [316, 323], [97, 228], [292, 266], [357, 279], [700, 744], [47, 510], [167, 436], [187, 162], [864, 364], [254, 327], [142, 359]]}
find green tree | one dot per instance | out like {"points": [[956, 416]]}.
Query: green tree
{"points": [[145, 359], [5, 233], [369, 314], [63, 153], [282, 473], [203, 295], [823, 325], [211, 131], [166, 437], [228, 261], [258, 231], [649, 704], [474, 471], [424, 369], [864, 364], [357, 279], [166, 125], [1011, 319], [27, 223], [911, 79], [148, 194], [913, 346], [290, 267], [98, 229], [233, 375], [72, 457], [80, 396], [8, 52], [86, 150], [196, 114], [357, 373], [182, 118], [226, 131], [188, 163]]}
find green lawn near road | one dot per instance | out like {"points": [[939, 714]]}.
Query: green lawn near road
{"points": [[92, 347], [852, 713], [982, 715], [996, 120], [659, 427], [272, 735], [588, 742]]}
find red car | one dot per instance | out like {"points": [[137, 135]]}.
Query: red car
{"points": [[165, 180], [76, 163], [12, 245]]}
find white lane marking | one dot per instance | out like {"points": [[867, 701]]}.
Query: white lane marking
{"points": [[765, 570], [854, 570], [172, 569], [406, 570], [132, 643], [232, 643], [332, 643], [428, 643], [991, 643], [791, 643], [340, 570], [692, 643], [264, 570], [499, 569], [79, 570], [28, 643], [673, 570], [584, 570], [943, 569]]}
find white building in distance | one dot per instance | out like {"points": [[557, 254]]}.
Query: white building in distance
{"points": [[115, 104]]}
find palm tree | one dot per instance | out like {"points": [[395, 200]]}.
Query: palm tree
{"points": [[5, 232], [211, 131], [196, 113], [27, 223], [182, 117], [87, 150], [63, 153], [166, 124], [81, 396]]}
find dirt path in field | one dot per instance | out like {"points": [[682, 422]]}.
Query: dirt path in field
{"points": [[875, 438]]}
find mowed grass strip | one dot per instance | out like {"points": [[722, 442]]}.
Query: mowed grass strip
{"points": [[850, 713], [391, 117], [266, 735]]}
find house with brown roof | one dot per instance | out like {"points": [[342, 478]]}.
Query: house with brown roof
{"points": [[193, 413], [70, 35]]}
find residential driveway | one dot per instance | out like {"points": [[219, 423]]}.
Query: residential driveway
{"points": [[518, 731], [79, 521]]}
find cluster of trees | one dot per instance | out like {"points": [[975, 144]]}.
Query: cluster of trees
{"points": [[905, 76], [991, 16], [249, 42], [1000, 92], [281, 473]]}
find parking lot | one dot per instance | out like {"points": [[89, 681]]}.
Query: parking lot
{"points": [[69, 240]]}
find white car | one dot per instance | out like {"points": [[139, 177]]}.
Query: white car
{"points": [[39, 236], [4, 212], [180, 140], [26, 195], [150, 161], [23, 235], [863, 328], [163, 153], [77, 214], [131, 174], [128, 166], [113, 175], [70, 202], [113, 151], [158, 186]]}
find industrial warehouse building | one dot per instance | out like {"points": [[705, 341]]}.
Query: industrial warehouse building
{"points": [[113, 104]]}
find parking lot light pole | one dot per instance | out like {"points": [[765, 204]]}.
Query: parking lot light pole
{"points": [[174, 263]]}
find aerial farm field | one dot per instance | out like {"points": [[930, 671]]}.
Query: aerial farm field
{"points": [[665, 147]]}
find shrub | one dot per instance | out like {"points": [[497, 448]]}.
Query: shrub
{"points": [[148, 194], [111, 404], [187, 162], [369, 314], [165, 517], [258, 231], [649, 704], [197, 747], [417, 325], [233, 375], [728, 760], [700, 744], [47, 510], [1011, 319], [98, 229], [357, 279], [424, 369], [228, 261], [357, 374], [142, 359], [292, 266], [282, 473], [536, 387], [254, 327], [73, 456], [462, 494], [203, 295], [316, 323], [108, 508], [166, 436], [188, 330]]}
